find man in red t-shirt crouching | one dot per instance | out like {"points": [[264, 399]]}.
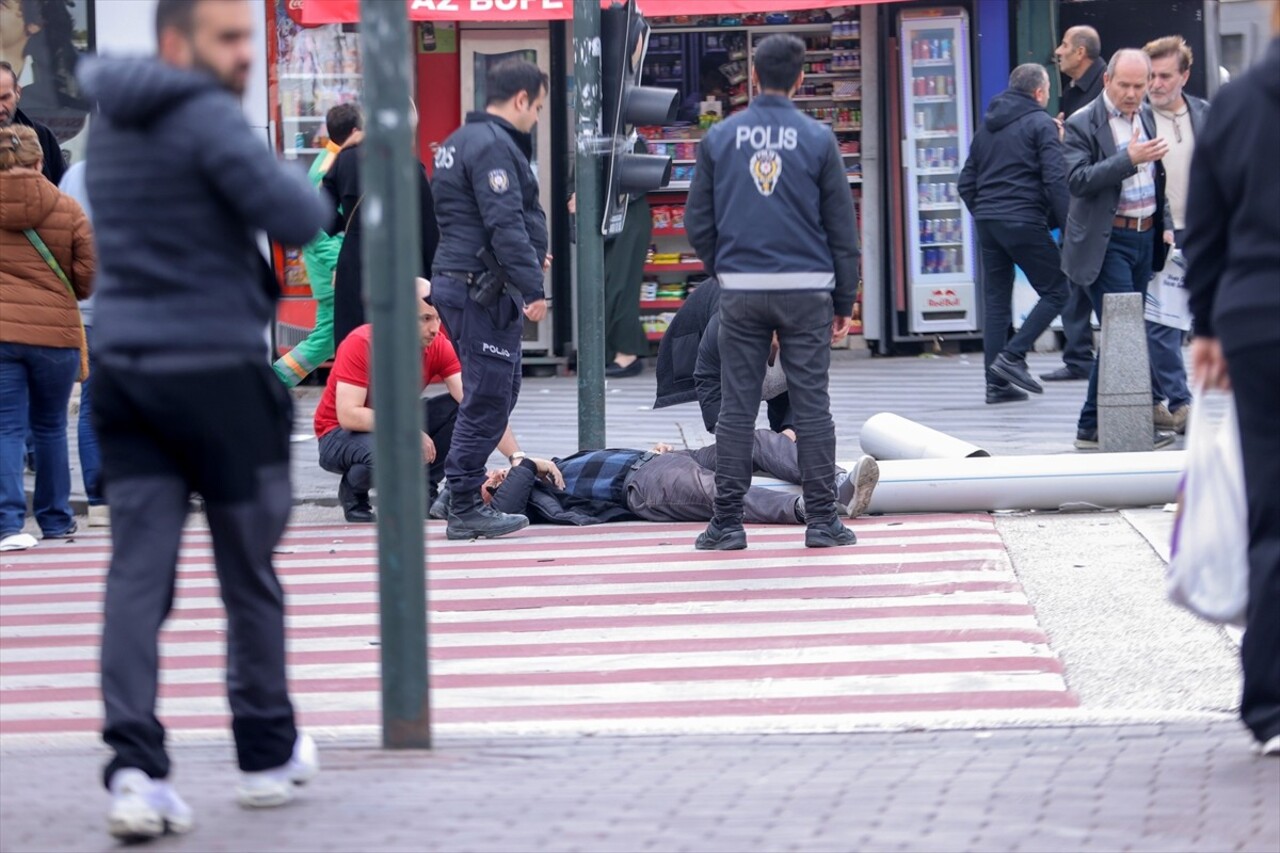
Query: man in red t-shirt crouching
{"points": [[344, 418]]}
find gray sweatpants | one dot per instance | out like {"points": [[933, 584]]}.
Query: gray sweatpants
{"points": [[224, 433]]}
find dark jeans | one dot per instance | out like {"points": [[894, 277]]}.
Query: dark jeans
{"points": [[1168, 370], [35, 387], [1077, 329], [623, 274], [488, 341], [1126, 268], [86, 437], [1030, 247], [681, 486], [351, 453], [222, 432], [802, 320], [1255, 376]]}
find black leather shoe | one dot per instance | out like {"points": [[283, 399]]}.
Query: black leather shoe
{"points": [[1015, 371], [356, 508], [1005, 393], [832, 534], [1064, 374], [360, 514], [471, 518], [717, 537], [617, 371]]}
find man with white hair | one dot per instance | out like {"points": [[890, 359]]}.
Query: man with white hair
{"points": [[1119, 226]]}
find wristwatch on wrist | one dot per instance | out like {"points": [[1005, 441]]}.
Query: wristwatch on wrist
{"points": [[517, 457]]}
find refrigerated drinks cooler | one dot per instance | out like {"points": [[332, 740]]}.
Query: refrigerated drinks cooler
{"points": [[937, 126]]}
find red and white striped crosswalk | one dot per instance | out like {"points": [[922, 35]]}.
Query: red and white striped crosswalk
{"points": [[622, 628]]}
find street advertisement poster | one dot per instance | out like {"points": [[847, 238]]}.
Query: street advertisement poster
{"points": [[42, 41], [437, 37]]}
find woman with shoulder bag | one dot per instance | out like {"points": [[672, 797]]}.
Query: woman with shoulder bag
{"points": [[46, 265]]}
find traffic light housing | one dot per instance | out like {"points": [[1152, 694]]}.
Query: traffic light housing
{"points": [[624, 40]]}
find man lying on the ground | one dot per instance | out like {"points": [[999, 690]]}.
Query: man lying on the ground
{"points": [[661, 484], [344, 419]]}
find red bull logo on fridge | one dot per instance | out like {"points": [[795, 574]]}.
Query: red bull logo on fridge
{"points": [[944, 298]]}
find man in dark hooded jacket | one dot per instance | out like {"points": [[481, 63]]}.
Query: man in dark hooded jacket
{"points": [[1015, 175], [184, 396]]}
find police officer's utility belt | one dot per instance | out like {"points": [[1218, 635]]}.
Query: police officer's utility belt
{"points": [[467, 278]]}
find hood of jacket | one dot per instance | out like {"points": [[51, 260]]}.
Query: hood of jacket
{"points": [[134, 92], [1007, 107], [26, 199]]}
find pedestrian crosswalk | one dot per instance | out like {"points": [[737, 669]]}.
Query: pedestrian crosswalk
{"points": [[623, 628]]}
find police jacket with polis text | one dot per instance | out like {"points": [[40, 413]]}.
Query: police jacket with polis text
{"points": [[486, 194], [770, 207]]}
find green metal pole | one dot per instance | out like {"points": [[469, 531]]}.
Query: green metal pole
{"points": [[586, 70], [392, 235]]}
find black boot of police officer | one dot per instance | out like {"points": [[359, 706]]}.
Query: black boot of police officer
{"points": [[486, 198]]}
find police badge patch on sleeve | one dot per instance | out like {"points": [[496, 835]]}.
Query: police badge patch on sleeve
{"points": [[499, 181], [766, 168]]}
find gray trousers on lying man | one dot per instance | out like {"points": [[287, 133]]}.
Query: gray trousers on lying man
{"points": [[681, 485]]}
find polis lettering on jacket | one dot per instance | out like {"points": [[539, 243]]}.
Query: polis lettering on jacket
{"points": [[771, 138], [481, 6]]}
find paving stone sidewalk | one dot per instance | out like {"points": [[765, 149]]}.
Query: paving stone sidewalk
{"points": [[1151, 787]]}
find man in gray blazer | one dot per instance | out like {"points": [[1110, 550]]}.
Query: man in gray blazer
{"points": [[1180, 120], [1118, 227]]}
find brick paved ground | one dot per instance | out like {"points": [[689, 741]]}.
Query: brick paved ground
{"points": [[1157, 787]]}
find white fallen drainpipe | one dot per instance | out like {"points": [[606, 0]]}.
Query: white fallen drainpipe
{"points": [[1052, 482], [889, 436]]}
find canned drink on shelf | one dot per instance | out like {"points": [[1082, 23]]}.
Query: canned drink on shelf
{"points": [[926, 230]]}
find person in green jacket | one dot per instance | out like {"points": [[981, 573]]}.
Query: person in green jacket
{"points": [[345, 126]]}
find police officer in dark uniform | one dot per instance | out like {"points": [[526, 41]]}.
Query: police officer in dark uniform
{"points": [[771, 214], [488, 276]]}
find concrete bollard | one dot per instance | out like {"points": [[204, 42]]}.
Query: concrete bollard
{"points": [[1124, 377]]}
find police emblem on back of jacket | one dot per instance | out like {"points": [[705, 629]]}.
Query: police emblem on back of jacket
{"points": [[766, 167]]}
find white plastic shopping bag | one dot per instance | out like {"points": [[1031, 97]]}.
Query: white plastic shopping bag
{"points": [[1209, 567], [1167, 301]]}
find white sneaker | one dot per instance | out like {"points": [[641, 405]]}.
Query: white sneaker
{"points": [[18, 542], [853, 490], [270, 788], [99, 516], [142, 807], [1271, 747]]}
